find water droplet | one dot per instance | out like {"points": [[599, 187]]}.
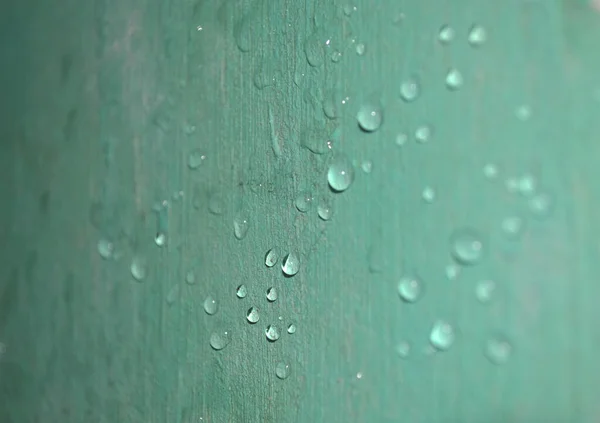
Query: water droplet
{"points": [[242, 33], [367, 166], [139, 268], [513, 226], [252, 315], [348, 9], [490, 171], [477, 36], [401, 139], [370, 116], [484, 291], [452, 271], [211, 306], [428, 194], [446, 34], [512, 185], [105, 249], [423, 134], [240, 227], [290, 264], [271, 294], [523, 113], [196, 159], [403, 349], [271, 257], [190, 277], [160, 239], [216, 204], [241, 291], [360, 49], [336, 56], [498, 350], [188, 128], [272, 333], [454, 79], [313, 49], [409, 90], [467, 246], [173, 295], [282, 370], [442, 335], [324, 209], [527, 185], [540, 205], [304, 202], [340, 174], [220, 339], [291, 329], [410, 289]]}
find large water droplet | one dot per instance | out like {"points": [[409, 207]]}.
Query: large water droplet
{"points": [[403, 349], [291, 329], [304, 202], [410, 288], [271, 294], [252, 315], [409, 89], [220, 339], [105, 249], [241, 291], [282, 370], [211, 306], [484, 291], [467, 246], [498, 350], [272, 333], [271, 257], [370, 115], [196, 159], [139, 268], [477, 35], [446, 34], [340, 174], [454, 79], [240, 227], [290, 264], [442, 335]]}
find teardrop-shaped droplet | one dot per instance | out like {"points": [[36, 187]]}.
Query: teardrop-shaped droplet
{"points": [[370, 115], [252, 315], [446, 34], [240, 227], [220, 339], [467, 246], [105, 249], [410, 288], [340, 174], [454, 79], [241, 291], [291, 329], [442, 335], [211, 306], [282, 370], [409, 89], [271, 257], [477, 36], [272, 294], [272, 333], [139, 268], [290, 264]]}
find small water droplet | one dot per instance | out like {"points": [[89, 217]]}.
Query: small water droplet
{"points": [[513, 227], [324, 209], [490, 171], [423, 134], [360, 49], [359, 375], [348, 9], [477, 36], [452, 271], [190, 277], [290, 264], [523, 113], [410, 289], [446, 34], [241, 291], [401, 139], [291, 329], [370, 115], [313, 49], [252, 315], [220, 339], [196, 159], [409, 89], [240, 227], [454, 79], [540, 205], [336, 56], [403, 349], [173, 295], [512, 185], [527, 185], [428, 194], [484, 291], [271, 257], [211, 306], [367, 166], [271, 294], [272, 333], [304, 202], [188, 128], [467, 246], [160, 239], [340, 174], [139, 268], [442, 335], [105, 249], [498, 350], [282, 370]]}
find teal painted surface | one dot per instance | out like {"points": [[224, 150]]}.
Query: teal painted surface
{"points": [[99, 100]]}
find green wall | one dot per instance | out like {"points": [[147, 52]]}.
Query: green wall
{"points": [[121, 119]]}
